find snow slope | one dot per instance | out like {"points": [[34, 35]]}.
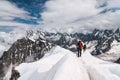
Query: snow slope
{"points": [[62, 64], [99, 69], [115, 48]]}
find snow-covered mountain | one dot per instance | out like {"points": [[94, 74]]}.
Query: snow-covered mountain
{"points": [[107, 44], [103, 43], [8, 38], [62, 64], [99, 41], [28, 49], [105, 40]]}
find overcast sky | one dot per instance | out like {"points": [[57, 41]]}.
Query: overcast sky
{"points": [[81, 15], [60, 15]]}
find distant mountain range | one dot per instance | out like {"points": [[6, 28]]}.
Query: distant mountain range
{"points": [[104, 39]]}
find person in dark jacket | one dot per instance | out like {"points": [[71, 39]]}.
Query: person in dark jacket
{"points": [[84, 47], [15, 74], [79, 48]]}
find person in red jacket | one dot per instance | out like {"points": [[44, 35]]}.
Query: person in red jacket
{"points": [[79, 48]]}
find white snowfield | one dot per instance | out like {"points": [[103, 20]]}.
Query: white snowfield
{"points": [[62, 64]]}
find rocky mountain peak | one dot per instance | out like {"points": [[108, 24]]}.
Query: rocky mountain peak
{"points": [[24, 50]]}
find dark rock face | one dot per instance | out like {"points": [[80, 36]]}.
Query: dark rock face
{"points": [[23, 50], [118, 61]]}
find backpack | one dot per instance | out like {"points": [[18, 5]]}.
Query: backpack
{"points": [[80, 44]]}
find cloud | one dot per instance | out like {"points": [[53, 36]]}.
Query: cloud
{"points": [[68, 10], [9, 11], [79, 15], [113, 3]]}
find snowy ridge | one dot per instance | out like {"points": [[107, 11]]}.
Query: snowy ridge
{"points": [[99, 69], [62, 64], [51, 67]]}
